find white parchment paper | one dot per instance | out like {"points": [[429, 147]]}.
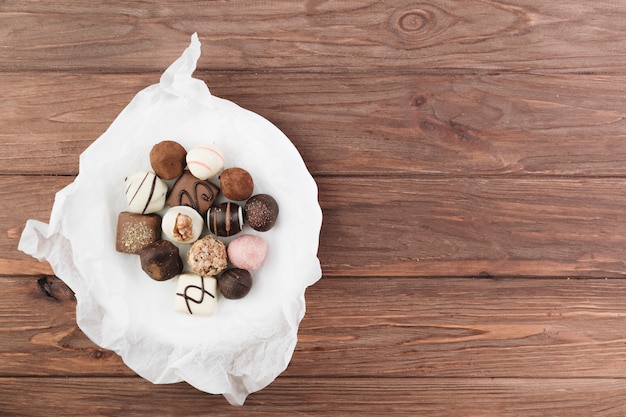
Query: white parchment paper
{"points": [[247, 343]]}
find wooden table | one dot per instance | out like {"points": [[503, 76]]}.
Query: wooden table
{"points": [[470, 157]]}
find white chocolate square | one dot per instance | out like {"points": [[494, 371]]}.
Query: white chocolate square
{"points": [[196, 294]]}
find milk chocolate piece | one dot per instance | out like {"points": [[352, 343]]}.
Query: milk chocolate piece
{"points": [[207, 256], [134, 231], [235, 283], [161, 260], [261, 212], [145, 192], [193, 192], [225, 219], [236, 184], [196, 294], [168, 159]]}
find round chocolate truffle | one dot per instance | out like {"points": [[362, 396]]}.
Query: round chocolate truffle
{"points": [[225, 219], [261, 212], [207, 256], [236, 184], [247, 252], [161, 260], [235, 283], [168, 159]]}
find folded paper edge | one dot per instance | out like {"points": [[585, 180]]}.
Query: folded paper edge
{"points": [[177, 79]]}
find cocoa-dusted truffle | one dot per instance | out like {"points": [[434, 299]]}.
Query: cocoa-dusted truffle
{"points": [[261, 212], [207, 256], [236, 184], [134, 231], [235, 283], [193, 192], [168, 159], [161, 260]]}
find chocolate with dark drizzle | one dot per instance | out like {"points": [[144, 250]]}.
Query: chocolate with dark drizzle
{"points": [[187, 297], [208, 195]]}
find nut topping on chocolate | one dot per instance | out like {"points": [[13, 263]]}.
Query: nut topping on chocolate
{"points": [[183, 228]]}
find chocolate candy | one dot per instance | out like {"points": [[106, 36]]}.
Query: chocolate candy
{"points": [[247, 252], [236, 184], [168, 159], [134, 231], [161, 260], [145, 192], [225, 219], [193, 192], [204, 162], [182, 224], [196, 294], [207, 256], [235, 283], [261, 212]]}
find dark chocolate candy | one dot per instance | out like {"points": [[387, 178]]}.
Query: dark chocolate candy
{"points": [[261, 212], [192, 192], [134, 231], [225, 219], [167, 159], [235, 283], [161, 260], [236, 184]]}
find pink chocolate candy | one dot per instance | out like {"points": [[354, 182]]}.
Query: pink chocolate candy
{"points": [[247, 252]]}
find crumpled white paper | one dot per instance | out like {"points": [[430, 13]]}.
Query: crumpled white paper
{"points": [[247, 343]]}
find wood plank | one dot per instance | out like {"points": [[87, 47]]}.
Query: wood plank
{"points": [[353, 124], [473, 227], [415, 226], [23, 198], [521, 35], [433, 397], [387, 326]]}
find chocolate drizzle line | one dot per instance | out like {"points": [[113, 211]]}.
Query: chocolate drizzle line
{"points": [[188, 298], [227, 222], [213, 212], [139, 188], [194, 201], [154, 180]]}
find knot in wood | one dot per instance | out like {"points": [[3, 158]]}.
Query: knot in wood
{"points": [[413, 22]]}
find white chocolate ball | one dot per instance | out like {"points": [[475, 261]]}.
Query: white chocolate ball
{"points": [[182, 224], [204, 162], [145, 192]]}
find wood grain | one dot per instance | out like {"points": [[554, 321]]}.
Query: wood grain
{"points": [[437, 397], [470, 163], [353, 124], [519, 35], [416, 328], [381, 226]]}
